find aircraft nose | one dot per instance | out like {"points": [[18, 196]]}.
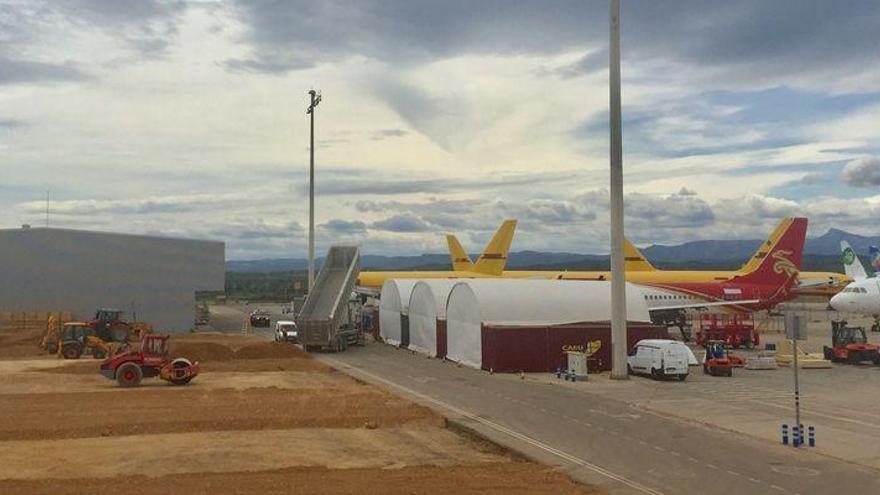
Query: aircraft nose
{"points": [[837, 301]]}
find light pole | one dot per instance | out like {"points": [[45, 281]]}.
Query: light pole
{"points": [[315, 99], [618, 274]]}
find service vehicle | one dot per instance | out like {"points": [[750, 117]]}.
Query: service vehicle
{"points": [[660, 358], [286, 331], [260, 318], [850, 345], [327, 320], [718, 361]]}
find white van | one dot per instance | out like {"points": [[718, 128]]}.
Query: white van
{"points": [[286, 331], [660, 358]]}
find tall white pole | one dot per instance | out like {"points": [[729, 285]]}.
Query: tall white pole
{"points": [[315, 99], [618, 275]]}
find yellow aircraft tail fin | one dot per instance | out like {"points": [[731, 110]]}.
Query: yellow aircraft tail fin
{"points": [[494, 257], [766, 246], [460, 259], [634, 260]]}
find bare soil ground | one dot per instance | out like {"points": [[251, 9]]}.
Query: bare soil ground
{"points": [[261, 418], [496, 478]]}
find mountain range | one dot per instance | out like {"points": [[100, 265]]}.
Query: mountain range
{"points": [[820, 253]]}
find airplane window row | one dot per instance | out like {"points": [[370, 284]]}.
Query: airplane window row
{"points": [[857, 290], [658, 297]]}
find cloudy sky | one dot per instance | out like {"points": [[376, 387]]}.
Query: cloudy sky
{"points": [[187, 118]]}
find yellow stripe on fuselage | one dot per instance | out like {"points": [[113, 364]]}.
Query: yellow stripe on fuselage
{"points": [[376, 279]]}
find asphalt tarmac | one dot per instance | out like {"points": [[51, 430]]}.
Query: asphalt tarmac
{"points": [[601, 440]]}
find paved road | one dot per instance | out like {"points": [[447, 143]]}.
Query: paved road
{"points": [[230, 318], [601, 440]]}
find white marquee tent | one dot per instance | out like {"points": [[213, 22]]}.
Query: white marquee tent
{"points": [[474, 303], [427, 305], [393, 310]]}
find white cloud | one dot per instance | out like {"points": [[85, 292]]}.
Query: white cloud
{"points": [[864, 172], [189, 120]]}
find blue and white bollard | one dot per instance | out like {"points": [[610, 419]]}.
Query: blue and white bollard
{"points": [[795, 436], [784, 434], [812, 436]]}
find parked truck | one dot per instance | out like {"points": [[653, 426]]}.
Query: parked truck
{"points": [[326, 320]]}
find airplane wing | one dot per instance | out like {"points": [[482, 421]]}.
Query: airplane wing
{"points": [[738, 302], [366, 291], [814, 284]]}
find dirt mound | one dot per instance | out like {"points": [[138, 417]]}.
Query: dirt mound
{"points": [[229, 340], [202, 351], [12, 338], [272, 364], [510, 478], [21, 344], [269, 350], [87, 366], [145, 411]]}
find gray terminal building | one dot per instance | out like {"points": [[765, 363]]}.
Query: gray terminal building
{"points": [[151, 279]]}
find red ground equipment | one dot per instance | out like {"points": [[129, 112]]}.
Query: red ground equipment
{"points": [[109, 326], [850, 345], [735, 330], [717, 362], [151, 359]]}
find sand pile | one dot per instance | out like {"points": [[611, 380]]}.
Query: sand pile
{"points": [[15, 344], [202, 351], [270, 350], [216, 352]]}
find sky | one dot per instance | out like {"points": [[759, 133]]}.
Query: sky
{"points": [[187, 118]]}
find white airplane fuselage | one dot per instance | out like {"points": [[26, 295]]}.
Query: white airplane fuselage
{"points": [[861, 297]]}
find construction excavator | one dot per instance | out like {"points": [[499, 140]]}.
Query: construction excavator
{"points": [[77, 338], [103, 335]]}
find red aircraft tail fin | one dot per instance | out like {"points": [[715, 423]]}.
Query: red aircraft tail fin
{"points": [[782, 261]]}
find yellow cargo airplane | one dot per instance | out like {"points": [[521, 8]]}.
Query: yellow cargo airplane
{"points": [[489, 265], [638, 269]]}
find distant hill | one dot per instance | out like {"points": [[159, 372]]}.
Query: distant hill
{"points": [[709, 251], [821, 253], [368, 261]]}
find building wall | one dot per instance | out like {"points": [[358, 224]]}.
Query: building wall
{"points": [[153, 277]]}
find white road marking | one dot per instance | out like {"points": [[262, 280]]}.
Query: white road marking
{"points": [[503, 429], [811, 412], [778, 488]]}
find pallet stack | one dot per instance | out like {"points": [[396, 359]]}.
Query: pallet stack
{"points": [[30, 322], [806, 360]]}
